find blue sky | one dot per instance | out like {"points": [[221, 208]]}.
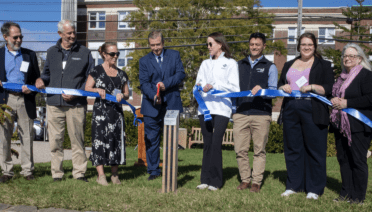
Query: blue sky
{"points": [[50, 10]]}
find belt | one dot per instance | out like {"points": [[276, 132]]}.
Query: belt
{"points": [[302, 98], [17, 94]]}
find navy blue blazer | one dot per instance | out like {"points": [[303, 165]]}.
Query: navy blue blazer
{"points": [[171, 74], [32, 74]]}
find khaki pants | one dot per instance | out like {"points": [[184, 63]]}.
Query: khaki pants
{"points": [[75, 118], [25, 132], [246, 128]]}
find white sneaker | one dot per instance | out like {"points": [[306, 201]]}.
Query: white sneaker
{"points": [[287, 193], [311, 195], [202, 186], [212, 188]]}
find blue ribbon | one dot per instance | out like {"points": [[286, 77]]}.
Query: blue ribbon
{"points": [[14, 87], [271, 93]]}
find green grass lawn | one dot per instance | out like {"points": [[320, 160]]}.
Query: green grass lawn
{"points": [[138, 194]]}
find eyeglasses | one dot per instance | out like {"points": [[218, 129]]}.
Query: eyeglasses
{"points": [[16, 37], [350, 56], [112, 54], [209, 44], [307, 44]]}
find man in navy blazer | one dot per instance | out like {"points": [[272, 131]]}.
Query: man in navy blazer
{"points": [[17, 65], [161, 67]]}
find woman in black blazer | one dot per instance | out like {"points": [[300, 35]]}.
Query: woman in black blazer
{"points": [[352, 89], [305, 120]]}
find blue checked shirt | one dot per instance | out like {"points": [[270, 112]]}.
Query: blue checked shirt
{"points": [[12, 67]]}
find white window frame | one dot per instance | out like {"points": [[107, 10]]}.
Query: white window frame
{"points": [[96, 56], [270, 57], [126, 58], [295, 34], [123, 22], [97, 21], [327, 35], [290, 57]]}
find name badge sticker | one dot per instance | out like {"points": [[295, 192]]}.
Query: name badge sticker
{"points": [[24, 66], [301, 82], [64, 64], [116, 92]]}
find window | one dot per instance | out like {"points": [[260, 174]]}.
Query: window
{"points": [[121, 23], [326, 33], [270, 58], [97, 58], [292, 34], [97, 20], [123, 59]]}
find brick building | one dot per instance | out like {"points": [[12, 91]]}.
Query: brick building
{"points": [[104, 26]]}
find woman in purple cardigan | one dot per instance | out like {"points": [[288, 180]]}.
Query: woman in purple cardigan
{"points": [[353, 89]]}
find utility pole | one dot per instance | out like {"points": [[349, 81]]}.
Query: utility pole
{"points": [[299, 22], [69, 10]]}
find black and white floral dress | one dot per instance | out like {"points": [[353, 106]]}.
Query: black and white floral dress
{"points": [[108, 146]]}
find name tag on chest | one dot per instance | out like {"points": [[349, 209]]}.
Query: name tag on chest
{"points": [[301, 82], [115, 92], [24, 66]]}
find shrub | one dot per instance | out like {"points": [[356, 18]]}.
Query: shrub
{"points": [[275, 142], [130, 131]]}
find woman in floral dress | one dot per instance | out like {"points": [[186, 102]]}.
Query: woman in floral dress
{"points": [[108, 118]]}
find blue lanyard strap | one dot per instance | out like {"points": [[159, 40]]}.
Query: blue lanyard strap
{"points": [[270, 93], [14, 87]]}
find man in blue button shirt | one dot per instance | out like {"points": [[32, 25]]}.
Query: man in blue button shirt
{"points": [[253, 114], [17, 65]]}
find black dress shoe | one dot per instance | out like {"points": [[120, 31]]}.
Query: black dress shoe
{"points": [[82, 179], [57, 179], [153, 177], [5, 178], [30, 177], [356, 202]]}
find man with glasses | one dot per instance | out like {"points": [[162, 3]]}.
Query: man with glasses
{"points": [[67, 66], [17, 65], [253, 114], [163, 68]]}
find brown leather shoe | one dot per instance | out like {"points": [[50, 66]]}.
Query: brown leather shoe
{"points": [[30, 177], [5, 178], [244, 185], [255, 188]]}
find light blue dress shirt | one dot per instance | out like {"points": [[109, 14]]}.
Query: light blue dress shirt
{"points": [[161, 56], [12, 67], [273, 73]]}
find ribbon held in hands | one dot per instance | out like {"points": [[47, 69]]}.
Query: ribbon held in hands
{"points": [[14, 87], [269, 93]]}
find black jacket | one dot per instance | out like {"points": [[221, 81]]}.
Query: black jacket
{"points": [[30, 77], [74, 76], [359, 97], [321, 73]]}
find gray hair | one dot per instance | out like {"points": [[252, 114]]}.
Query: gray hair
{"points": [[154, 34], [365, 63], [6, 27], [61, 23]]}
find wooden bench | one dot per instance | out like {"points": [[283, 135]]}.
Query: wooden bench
{"points": [[196, 137]]}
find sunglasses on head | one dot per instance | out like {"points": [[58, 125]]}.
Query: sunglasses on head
{"points": [[16, 37], [209, 44], [112, 54]]}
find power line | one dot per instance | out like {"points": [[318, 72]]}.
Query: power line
{"points": [[205, 19], [232, 42]]}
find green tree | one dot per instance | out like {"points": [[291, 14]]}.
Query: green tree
{"points": [[181, 25], [357, 31]]}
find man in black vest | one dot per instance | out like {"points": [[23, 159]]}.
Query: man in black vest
{"points": [[253, 114], [67, 66]]}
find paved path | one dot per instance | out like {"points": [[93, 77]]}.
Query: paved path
{"points": [[24, 208], [41, 152]]}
